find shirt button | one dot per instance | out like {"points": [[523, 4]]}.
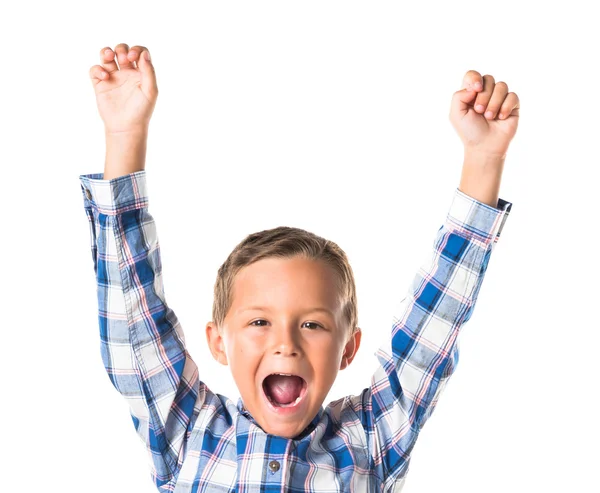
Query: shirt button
{"points": [[88, 194], [274, 466]]}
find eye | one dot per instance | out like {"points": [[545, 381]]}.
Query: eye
{"points": [[259, 323], [315, 325]]}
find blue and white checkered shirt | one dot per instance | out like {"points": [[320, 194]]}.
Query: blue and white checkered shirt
{"points": [[200, 441]]}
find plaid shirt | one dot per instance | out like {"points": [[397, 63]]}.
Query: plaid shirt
{"points": [[200, 441]]}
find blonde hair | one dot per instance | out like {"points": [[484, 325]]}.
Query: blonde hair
{"points": [[285, 242]]}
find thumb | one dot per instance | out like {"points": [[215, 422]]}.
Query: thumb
{"points": [[461, 101], [148, 75]]}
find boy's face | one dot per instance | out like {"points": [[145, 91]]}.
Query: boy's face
{"points": [[285, 339]]}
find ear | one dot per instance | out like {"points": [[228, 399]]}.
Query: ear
{"points": [[351, 348], [216, 344]]}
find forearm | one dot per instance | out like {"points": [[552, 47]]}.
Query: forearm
{"points": [[132, 307], [125, 153], [481, 176]]}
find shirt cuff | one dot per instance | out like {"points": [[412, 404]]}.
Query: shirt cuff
{"points": [[112, 197], [476, 219]]}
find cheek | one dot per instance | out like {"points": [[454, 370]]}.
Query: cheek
{"points": [[326, 353], [243, 349]]}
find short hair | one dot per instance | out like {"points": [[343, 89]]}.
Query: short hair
{"points": [[285, 242]]}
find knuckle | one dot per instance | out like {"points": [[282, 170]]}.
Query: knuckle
{"points": [[95, 72], [502, 85], [488, 88]]}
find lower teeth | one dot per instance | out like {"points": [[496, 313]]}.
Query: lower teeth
{"points": [[289, 404]]}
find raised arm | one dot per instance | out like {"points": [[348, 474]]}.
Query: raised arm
{"points": [[419, 358], [421, 355], [142, 344]]}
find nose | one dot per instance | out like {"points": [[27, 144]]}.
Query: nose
{"points": [[285, 341]]}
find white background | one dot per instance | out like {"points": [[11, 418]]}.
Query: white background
{"points": [[331, 116]]}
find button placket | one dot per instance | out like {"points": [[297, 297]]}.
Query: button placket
{"points": [[277, 450]]}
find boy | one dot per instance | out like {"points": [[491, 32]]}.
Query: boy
{"points": [[284, 318]]}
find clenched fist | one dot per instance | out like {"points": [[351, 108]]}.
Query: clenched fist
{"points": [[485, 114], [125, 93]]}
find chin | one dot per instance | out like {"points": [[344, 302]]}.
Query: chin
{"points": [[288, 431]]}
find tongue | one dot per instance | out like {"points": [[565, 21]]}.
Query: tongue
{"points": [[282, 389]]}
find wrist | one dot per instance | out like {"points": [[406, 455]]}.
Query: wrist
{"points": [[481, 176], [483, 154], [140, 131], [125, 152]]}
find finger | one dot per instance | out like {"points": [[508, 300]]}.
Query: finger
{"points": [[498, 96], [134, 54], [461, 101], [98, 74], [148, 74], [510, 106], [107, 57], [121, 50], [483, 98], [473, 80]]}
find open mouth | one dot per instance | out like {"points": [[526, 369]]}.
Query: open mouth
{"points": [[284, 389]]}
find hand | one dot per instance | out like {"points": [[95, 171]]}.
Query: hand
{"points": [[485, 115], [125, 94]]}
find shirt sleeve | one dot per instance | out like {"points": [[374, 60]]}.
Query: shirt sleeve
{"points": [[422, 353], [142, 344]]}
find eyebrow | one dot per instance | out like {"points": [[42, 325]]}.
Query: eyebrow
{"points": [[265, 309]]}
